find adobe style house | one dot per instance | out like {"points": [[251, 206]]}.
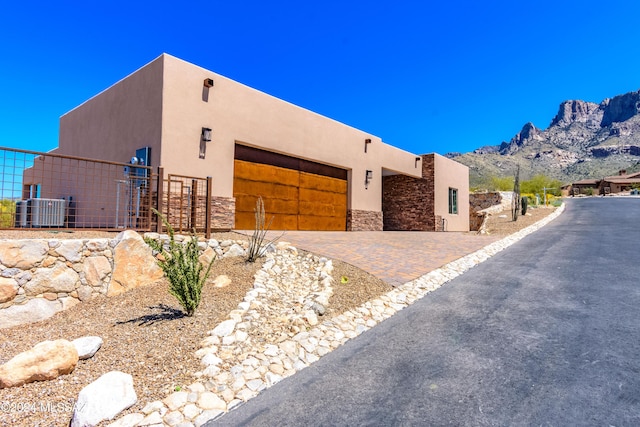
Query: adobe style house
{"points": [[615, 184], [312, 172]]}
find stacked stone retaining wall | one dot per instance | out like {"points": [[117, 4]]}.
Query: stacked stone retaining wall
{"points": [[39, 277]]}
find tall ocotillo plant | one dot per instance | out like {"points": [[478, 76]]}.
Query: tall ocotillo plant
{"points": [[257, 245], [515, 202]]}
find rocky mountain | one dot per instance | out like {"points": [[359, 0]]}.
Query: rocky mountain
{"points": [[584, 140]]}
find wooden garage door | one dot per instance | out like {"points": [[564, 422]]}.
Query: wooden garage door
{"points": [[296, 200]]}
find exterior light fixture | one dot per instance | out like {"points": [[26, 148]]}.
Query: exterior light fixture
{"points": [[208, 82], [368, 176], [366, 142], [206, 134], [417, 160]]}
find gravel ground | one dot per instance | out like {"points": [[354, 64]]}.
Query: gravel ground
{"points": [[146, 335], [504, 226]]}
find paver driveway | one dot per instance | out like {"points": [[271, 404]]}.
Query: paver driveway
{"points": [[394, 256]]}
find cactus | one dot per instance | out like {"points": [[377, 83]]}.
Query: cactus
{"points": [[524, 203]]}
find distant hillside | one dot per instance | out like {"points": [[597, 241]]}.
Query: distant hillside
{"points": [[584, 140]]}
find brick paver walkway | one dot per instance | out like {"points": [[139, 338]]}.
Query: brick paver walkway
{"points": [[394, 256]]}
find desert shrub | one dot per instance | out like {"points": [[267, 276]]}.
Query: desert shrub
{"points": [[257, 245], [531, 200], [182, 267], [538, 183], [588, 191], [7, 213], [497, 183]]}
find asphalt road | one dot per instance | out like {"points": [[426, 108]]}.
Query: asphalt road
{"points": [[545, 333]]}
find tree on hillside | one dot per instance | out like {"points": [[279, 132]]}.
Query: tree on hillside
{"points": [[536, 185]]}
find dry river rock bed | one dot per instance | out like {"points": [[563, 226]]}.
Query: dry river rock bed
{"points": [[146, 335]]}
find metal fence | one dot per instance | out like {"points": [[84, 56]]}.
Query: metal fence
{"points": [[54, 191], [186, 203]]}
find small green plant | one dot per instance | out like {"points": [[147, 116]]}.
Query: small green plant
{"points": [[344, 279], [257, 245], [182, 267], [524, 203], [7, 213]]}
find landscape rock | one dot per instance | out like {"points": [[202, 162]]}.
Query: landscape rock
{"points": [[96, 269], [234, 250], [45, 361], [70, 250], [8, 289], [134, 264], [87, 346], [209, 400], [103, 399], [221, 281], [68, 302], [84, 293], [33, 310], [129, 420], [225, 328], [23, 254], [207, 256], [56, 279]]}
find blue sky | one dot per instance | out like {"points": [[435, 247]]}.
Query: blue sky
{"points": [[425, 76]]}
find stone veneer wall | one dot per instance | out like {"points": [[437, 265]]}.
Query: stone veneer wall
{"points": [[358, 220], [403, 204], [39, 277], [51, 275], [223, 213], [408, 203]]}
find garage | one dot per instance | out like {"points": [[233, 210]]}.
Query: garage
{"points": [[298, 194]]}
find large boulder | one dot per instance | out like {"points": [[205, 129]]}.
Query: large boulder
{"points": [[34, 310], [23, 254], [46, 361], [103, 399], [134, 264], [57, 279]]}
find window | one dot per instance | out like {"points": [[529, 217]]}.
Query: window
{"points": [[453, 201]]}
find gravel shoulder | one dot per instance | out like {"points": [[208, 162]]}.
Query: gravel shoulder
{"points": [[146, 335]]}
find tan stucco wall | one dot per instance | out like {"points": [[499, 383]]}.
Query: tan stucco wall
{"points": [[113, 124], [237, 113], [451, 174]]}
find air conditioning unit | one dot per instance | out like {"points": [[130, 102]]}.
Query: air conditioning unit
{"points": [[21, 214], [46, 212]]}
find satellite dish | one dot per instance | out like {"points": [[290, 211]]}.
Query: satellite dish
{"points": [[134, 160]]}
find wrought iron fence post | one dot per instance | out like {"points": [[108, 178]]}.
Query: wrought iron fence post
{"points": [[207, 214], [159, 196]]}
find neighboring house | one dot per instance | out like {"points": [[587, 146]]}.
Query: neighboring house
{"points": [[611, 184], [585, 186], [621, 182], [312, 172]]}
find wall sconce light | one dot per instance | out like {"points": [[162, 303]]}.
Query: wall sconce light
{"points": [[206, 134], [417, 160], [208, 82], [368, 176], [366, 142]]}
